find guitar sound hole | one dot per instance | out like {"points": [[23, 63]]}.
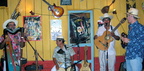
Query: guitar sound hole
{"points": [[107, 37]]}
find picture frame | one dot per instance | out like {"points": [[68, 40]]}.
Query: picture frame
{"points": [[80, 26], [66, 2], [32, 26], [56, 28]]}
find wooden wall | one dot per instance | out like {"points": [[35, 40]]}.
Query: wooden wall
{"points": [[46, 46]]}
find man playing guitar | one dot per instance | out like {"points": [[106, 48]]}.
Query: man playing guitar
{"points": [[63, 56], [107, 38]]}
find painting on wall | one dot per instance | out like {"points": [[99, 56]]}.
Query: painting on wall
{"points": [[32, 25], [56, 28], [80, 27]]}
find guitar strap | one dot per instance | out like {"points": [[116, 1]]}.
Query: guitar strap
{"points": [[65, 47], [111, 28]]}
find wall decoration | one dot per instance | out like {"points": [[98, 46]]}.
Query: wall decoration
{"points": [[79, 26], [56, 28], [66, 2], [130, 3], [32, 25]]}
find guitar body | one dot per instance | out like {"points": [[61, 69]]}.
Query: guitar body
{"points": [[102, 42], [85, 66], [57, 11], [62, 69], [122, 43]]}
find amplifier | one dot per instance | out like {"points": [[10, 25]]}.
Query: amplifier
{"points": [[33, 67]]}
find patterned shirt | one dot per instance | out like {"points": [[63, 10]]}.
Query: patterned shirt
{"points": [[60, 57], [135, 47], [15, 41]]}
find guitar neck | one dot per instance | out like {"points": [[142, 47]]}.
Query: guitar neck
{"points": [[47, 3], [122, 21], [116, 27], [85, 56], [112, 2]]}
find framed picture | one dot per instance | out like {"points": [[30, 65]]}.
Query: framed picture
{"points": [[80, 27], [32, 25], [66, 2], [56, 28]]}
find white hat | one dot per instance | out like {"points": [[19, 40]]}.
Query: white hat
{"points": [[134, 12], [59, 37], [9, 20], [106, 16]]}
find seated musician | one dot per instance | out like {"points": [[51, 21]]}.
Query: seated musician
{"points": [[12, 44], [109, 54], [63, 56]]}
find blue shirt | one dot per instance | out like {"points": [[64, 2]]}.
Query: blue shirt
{"points": [[135, 47]]}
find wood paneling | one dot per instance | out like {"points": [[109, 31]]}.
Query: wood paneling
{"points": [[46, 46]]}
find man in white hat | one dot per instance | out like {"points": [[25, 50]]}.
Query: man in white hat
{"points": [[107, 57], [135, 48], [63, 56], [15, 42]]}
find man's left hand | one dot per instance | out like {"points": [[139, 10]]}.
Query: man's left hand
{"points": [[112, 34]]}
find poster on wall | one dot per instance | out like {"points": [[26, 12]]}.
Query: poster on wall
{"points": [[79, 26], [56, 28], [32, 25]]}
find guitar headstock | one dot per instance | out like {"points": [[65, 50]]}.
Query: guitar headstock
{"points": [[123, 20]]}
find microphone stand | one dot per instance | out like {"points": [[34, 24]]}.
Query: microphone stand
{"points": [[65, 62], [35, 53], [106, 47]]}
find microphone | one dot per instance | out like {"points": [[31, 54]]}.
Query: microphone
{"points": [[22, 31]]}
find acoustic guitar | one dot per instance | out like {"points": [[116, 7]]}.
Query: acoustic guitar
{"points": [[85, 64], [57, 11], [62, 69], [102, 42]]}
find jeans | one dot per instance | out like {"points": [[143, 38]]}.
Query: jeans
{"points": [[134, 64]]}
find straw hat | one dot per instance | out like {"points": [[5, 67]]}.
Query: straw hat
{"points": [[133, 12], [9, 20], [60, 37], [106, 15]]}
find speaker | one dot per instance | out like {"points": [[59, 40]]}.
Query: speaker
{"points": [[3, 3]]}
